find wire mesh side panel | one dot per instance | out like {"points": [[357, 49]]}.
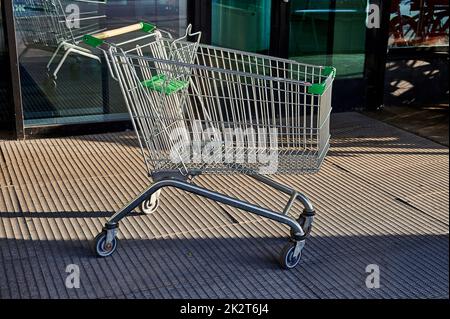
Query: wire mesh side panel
{"points": [[231, 111], [56, 13], [262, 108], [35, 23], [324, 124], [72, 28], [155, 92], [44, 23]]}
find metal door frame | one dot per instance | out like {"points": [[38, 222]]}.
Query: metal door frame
{"points": [[13, 73]]}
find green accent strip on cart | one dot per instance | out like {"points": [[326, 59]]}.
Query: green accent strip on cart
{"points": [[319, 88], [147, 27], [92, 41], [159, 84]]}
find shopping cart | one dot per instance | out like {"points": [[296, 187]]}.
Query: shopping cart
{"points": [[200, 109]]}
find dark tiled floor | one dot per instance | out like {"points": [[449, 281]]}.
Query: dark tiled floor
{"points": [[428, 121], [381, 198]]}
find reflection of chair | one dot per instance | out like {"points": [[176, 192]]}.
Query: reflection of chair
{"points": [[43, 24], [70, 37]]}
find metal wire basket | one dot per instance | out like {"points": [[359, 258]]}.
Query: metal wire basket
{"points": [[203, 109]]}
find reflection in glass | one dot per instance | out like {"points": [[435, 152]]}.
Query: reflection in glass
{"points": [[63, 80], [329, 33], [419, 23], [241, 24]]}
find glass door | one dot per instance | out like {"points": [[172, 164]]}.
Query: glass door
{"points": [[321, 32], [64, 81], [329, 33], [241, 24]]}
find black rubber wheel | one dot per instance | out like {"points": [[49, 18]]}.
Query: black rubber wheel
{"points": [[100, 247], [287, 259]]}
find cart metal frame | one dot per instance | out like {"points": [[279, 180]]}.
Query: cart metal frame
{"points": [[179, 67]]}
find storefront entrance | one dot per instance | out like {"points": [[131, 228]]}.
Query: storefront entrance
{"points": [[313, 32], [34, 99]]}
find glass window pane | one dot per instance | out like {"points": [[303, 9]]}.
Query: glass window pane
{"points": [[308, 34], [350, 37], [241, 24], [78, 87], [418, 23], [329, 33]]}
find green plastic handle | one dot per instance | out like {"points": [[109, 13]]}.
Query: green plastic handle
{"points": [[97, 39], [319, 88]]}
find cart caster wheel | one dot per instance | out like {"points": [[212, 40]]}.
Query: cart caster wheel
{"points": [[301, 221], [150, 205], [287, 259], [102, 249]]}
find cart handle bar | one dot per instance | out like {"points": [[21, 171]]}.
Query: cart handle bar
{"points": [[97, 39]]}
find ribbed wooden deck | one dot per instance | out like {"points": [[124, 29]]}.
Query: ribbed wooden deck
{"points": [[381, 198]]}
